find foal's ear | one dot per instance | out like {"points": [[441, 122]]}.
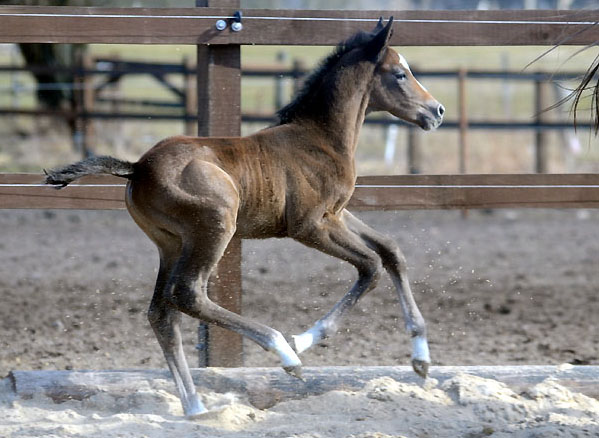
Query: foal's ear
{"points": [[378, 26], [375, 48]]}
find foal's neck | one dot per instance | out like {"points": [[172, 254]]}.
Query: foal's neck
{"points": [[346, 107]]}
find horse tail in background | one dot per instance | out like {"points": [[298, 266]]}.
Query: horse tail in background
{"points": [[62, 176]]}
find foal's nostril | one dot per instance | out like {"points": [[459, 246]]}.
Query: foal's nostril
{"points": [[440, 110]]}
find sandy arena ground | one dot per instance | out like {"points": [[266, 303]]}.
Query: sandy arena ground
{"points": [[512, 287]]}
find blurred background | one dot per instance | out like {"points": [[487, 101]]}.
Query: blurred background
{"points": [[60, 102]]}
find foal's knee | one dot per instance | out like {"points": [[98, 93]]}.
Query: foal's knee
{"points": [[392, 256], [161, 317], [371, 270], [189, 298], [158, 311]]}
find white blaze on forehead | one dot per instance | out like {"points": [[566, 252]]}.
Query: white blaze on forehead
{"points": [[403, 62]]}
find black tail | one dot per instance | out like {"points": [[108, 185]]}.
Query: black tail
{"points": [[62, 176]]}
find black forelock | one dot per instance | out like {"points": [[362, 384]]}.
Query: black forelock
{"points": [[315, 79]]}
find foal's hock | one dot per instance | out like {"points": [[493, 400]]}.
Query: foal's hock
{"points": [[192, 195]]}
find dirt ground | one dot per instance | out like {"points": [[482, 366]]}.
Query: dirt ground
{"points": [[507, 287], [502, 287]]}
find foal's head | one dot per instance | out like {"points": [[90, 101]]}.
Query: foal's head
{"points": [[364, 64], [396, 90]]}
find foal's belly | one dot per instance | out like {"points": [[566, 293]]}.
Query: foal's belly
{"points": [[260, 223]]}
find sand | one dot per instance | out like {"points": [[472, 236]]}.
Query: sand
{"points": [[512, 287], [463, 406]]}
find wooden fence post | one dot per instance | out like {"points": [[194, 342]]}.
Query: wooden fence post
{"points": [[190, 93], [115, 93], [88, 103], [414, 155], [219, 114], [279, 82], [463, 122], [541, 157], [83, 93], [299, 68], [463, 109]]}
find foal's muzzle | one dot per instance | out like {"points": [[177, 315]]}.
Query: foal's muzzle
{"points": [[431, 116]]}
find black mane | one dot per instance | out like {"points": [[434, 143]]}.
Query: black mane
{"points": [[313, 83]]}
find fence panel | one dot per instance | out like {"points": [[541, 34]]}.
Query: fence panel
{"points": [[396, 192], [22, 24]]}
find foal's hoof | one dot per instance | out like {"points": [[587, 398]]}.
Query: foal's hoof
{"points": [[295, 371], [201, 415], [420, 367], [195, 410]]}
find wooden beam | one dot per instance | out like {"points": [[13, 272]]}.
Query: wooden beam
{"points": [[219, 91], [265, 387], [405, 192], [219, 115], [542, 103], [26, 190], [398, 192], [29, 24]]}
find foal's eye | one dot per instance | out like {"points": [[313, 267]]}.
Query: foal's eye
{"points": [[400, 75]]}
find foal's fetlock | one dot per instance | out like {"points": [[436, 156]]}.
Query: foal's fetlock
{"points": [[302, 342], [314, 335], [289, 360]]}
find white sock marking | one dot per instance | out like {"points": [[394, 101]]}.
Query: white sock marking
{"points": [[288, 356], [308, 338], [194, 406], [303, 342], [420, 349]]}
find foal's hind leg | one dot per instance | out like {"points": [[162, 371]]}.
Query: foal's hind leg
{"points": [[165, 321], [395, 263], [331, 236], [189, 294]]}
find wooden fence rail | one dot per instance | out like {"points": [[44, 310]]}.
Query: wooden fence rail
{"points": [[397, 192], [23, 24]]}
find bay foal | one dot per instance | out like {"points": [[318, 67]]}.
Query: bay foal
{"points": [[192, 195]]}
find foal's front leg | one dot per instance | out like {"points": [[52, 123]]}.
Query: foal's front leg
{"points": [[395, 263], [331, 236]]}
